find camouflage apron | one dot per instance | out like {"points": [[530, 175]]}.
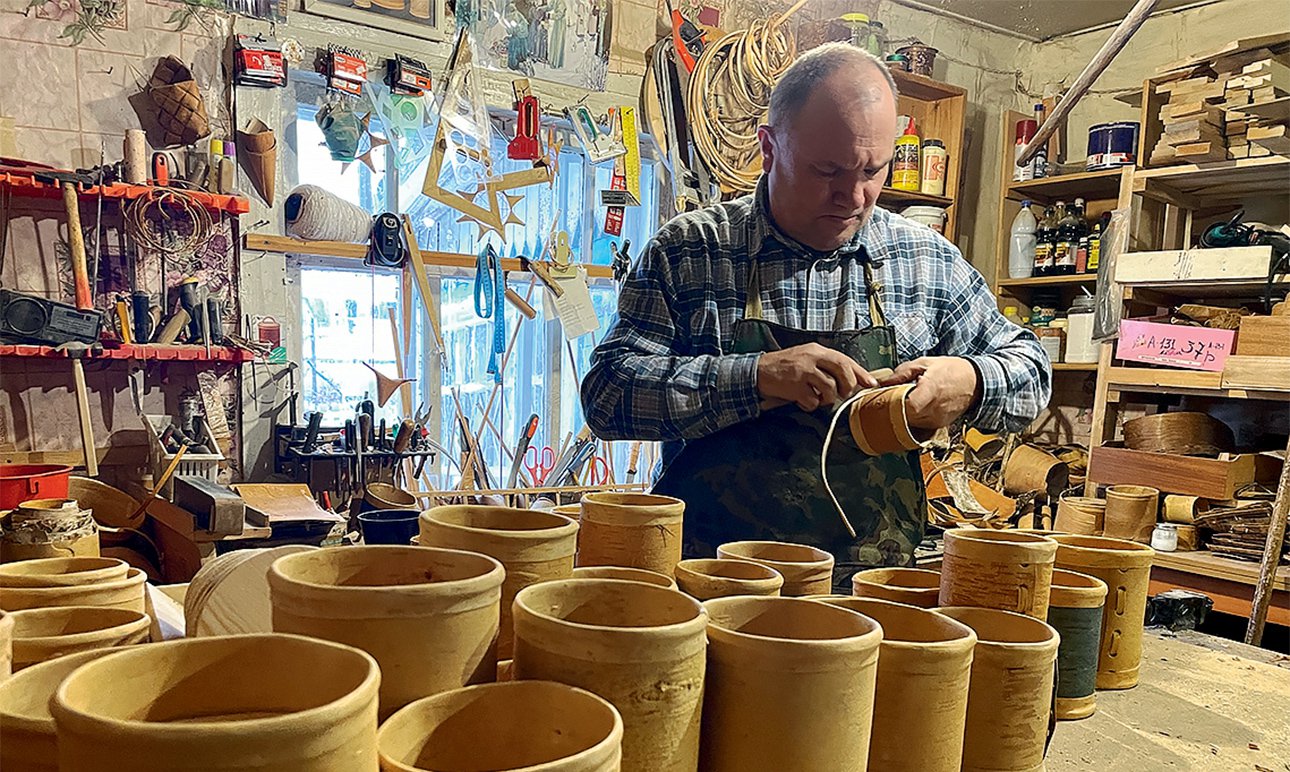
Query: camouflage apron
{"points": [[760, 479]]}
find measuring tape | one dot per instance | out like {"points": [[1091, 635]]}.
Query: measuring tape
{"points": [[632, 159], [490, 293]]}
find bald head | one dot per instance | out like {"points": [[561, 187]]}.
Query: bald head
{"points": [[848, 72]]}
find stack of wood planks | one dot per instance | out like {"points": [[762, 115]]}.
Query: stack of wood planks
{"points": [[1235, 105]]}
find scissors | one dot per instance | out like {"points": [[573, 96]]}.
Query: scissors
{"points": [[598, 471], [539, 463]]}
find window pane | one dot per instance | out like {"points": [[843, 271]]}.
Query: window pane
{"points": [[344, 324], [639, 222]]}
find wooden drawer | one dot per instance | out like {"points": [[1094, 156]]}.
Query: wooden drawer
{"points": [[1209, 478]]}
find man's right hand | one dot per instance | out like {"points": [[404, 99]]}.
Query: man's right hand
{"points": [[810, 376]]}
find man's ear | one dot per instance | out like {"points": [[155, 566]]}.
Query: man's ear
{"points": [[766, 138]]}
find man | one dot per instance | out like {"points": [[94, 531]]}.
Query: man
{"points": [[794, 294]]}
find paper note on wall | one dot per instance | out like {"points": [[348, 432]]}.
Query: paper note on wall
{"points": [[576, 311], [1174, 345]]}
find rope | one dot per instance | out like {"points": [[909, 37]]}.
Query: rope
{"points": [[314, 214], [156, 219], [728, 98], [490, 293]]}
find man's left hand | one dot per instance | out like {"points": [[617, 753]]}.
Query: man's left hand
{"points": [[946, 388]]}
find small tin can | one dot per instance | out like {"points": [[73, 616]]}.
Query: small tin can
{"points": [[1111, 145]]}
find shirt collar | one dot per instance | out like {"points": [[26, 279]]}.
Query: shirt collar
{"points": [[761, 226]]}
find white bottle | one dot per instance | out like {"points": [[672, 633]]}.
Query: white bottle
{"points": [[1021, 247]]}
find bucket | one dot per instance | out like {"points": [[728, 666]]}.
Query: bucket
{"points": [[42, 634], [428, 616], [1080, 515], [1011, 694], [1131, 512], [531, 725], [6, 645], [704, 579], [125, 593], [48, 528], [638, 646], [1112, 145], [247, 702], [61, 572], [388, 526], [920, 699], [30, 742], [23, 482], [914, 586], [624, 574], [1075, 612], [1125, 567], [931, 216], [532, 545], [790, 685], [380, 495], [634, 530], [997, 569], [806, 570]]}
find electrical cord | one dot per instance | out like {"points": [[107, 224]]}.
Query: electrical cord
{"points": [[155, 218]]}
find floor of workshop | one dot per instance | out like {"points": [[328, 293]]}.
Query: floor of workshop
{"points": [[1204, 703]]}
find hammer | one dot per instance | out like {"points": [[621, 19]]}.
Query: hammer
{"points": [[70, 183]]}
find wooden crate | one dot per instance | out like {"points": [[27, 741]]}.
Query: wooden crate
{"points": [[1264, 336], [1257, 372], [1210, 478]]}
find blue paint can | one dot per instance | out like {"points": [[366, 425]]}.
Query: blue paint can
{"points": [[1111, 145]]}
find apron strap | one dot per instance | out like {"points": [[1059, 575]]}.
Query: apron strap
{"points": [[876, 317], [752, 305]]}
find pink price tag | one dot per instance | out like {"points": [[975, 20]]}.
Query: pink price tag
{"points": [[1174, 345]]}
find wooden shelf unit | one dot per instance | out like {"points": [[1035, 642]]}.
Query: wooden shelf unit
{"points": [[939, 111], [1049, 281]]}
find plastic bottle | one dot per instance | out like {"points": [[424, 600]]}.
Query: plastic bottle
{"points": [[904, 174], [935, 158], [1010, 313], [1040, 161], [1044, 238], [1095, 242], [1025, 132], [1067, 242], [1021, 248], [1083, 243]]}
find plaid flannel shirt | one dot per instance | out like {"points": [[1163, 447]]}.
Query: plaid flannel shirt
{"points": [[665, 370]]}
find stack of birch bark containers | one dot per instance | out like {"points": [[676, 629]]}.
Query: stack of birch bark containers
{"points": [[580, 641]]}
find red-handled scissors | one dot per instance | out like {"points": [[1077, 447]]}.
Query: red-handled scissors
{"points": [[539, 463], [598, 471]]}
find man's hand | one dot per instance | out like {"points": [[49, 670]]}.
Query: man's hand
{"points": [[810, 375], [947, 387]]}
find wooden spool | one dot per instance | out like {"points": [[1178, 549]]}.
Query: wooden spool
{"points": [[534, 725], [1005, 570], [633, 530], [625, 574], [1075, 612], [1180, 433], [638, 646], [915, 586], [879, 423], [776, 668], [1183, 509], [1080, 514], [430, 615], [705, 579], [1131, 512], [43, 634], [1125, 567], [262, 702], [806, 570], [1031, 470], [1011, 692], [531, 544], [921, 694], [125, 593]]}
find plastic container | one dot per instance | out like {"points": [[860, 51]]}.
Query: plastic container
{"points": [[935, 166], [931, 216], [906, 163], [192, 464], [1165, 537], [1021, 247], [389, 526], [21, 482]]}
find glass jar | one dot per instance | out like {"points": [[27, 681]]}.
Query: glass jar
{"points": [[877, 39], [1165, 537]]}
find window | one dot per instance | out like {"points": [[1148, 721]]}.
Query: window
{"points": [[345, 305]]}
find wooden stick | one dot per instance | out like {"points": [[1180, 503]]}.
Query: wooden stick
{"points": [[83, 415], [158, 485], [783, 17], [1271, 556], [1101, 61]]}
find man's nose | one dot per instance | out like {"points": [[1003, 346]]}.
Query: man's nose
{"points": [[852, 194]]}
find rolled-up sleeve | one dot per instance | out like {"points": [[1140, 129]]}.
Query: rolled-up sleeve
{"points": [[646, 384], [1015, 373]]}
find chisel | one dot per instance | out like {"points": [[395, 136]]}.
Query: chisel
{"points": [[521, 447]]}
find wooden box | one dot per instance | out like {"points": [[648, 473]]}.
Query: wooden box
{"points": [[1261, 372], [1194, 265], [1264, 336], [1210, 478]]}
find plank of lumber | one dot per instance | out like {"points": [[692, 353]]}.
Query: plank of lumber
{"points": [[1240, 45], [1223, 264], [1192, 110], [1257, 372], [1198, 152], [1271, 111], [1264, 336]]}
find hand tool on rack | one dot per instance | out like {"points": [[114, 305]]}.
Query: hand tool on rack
{"points": [[521, 449], [687, 38], [539, 462]]}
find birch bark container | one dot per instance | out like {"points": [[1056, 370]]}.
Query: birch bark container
{"points": [[124, 593], [1080, 515], [997, 569], [30, 740], [921, 696], [47, 633], [914, 586], [1075, 612], [625, 574], [62, 572], [704, 579], [635, 530], [6, 645], [638, 646], [1131, 512], [1010, 698], [532, 545], [806, 570], [1125, 567], [790, 685], [268, 703], [429, 616], [522, 725]]}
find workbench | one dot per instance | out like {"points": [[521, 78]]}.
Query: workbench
{"points": [[1204, 703]]}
